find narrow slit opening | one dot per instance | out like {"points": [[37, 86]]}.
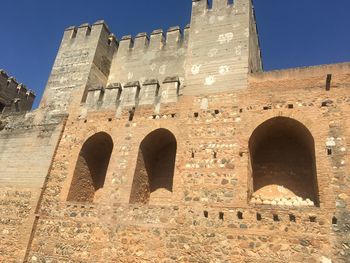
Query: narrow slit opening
{"points": [[334, 220], [329, 151], [258, 217], [312, 219], [292, 218], [131, 114], [328, 82]]}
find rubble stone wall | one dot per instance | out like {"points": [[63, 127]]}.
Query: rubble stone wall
{"points": [[209, 216]]}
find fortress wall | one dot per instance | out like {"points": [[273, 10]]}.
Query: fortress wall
{"points": [[201, 220], [302, 73], [26, 151], [14, 97]]}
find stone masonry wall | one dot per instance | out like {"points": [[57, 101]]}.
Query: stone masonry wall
{"points": [[26, 152], [209, 217]]}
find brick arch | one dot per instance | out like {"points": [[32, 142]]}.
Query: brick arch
{"points": [[91, 168], [283, 162], [155, 166]]}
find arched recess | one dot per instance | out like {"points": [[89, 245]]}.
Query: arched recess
{"points": [[91, 168], [282, 156], [154, 172]]}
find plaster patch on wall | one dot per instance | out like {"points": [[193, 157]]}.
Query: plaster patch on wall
{"points": [[246, 32], [165, 94], [153, 66], [212, 52], [225, 38], [212, 20], [238, 50], [130, 75], [204, 104], [162, 69], [210, 80], [236, 25], [195, 69], [325, 260], [330, 142], [221, 18], [223, 70]]}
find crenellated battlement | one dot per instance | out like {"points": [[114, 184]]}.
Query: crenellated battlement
{"points": [[214, 49], [85, 30], [130, 95], [14, 96], [174, 38]]}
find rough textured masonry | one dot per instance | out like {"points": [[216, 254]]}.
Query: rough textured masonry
{"points": [[176, 147]]}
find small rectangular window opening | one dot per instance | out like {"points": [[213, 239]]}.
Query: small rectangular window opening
{"points": [[206, 214], [334, 220], [192, 154], [214, 155], [196, 114], [290, 106], [221, 216], [328, 83], [131, 114], [276, 218], [329, 151], [173, 115], [258, 217], [216, 112], [312, 219], [240, 215], [267, 108], [292, 218]]}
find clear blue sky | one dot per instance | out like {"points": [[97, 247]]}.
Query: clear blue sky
{"points": [[292, 32]]}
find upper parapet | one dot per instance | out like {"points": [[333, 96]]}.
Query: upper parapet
{"points": [[173, 39], [14, 96], [153, 56], [209, 53], [87, 32]]}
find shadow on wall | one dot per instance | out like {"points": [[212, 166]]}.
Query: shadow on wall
{"points": [[91, 168], [154, 172], [282, 152]]}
